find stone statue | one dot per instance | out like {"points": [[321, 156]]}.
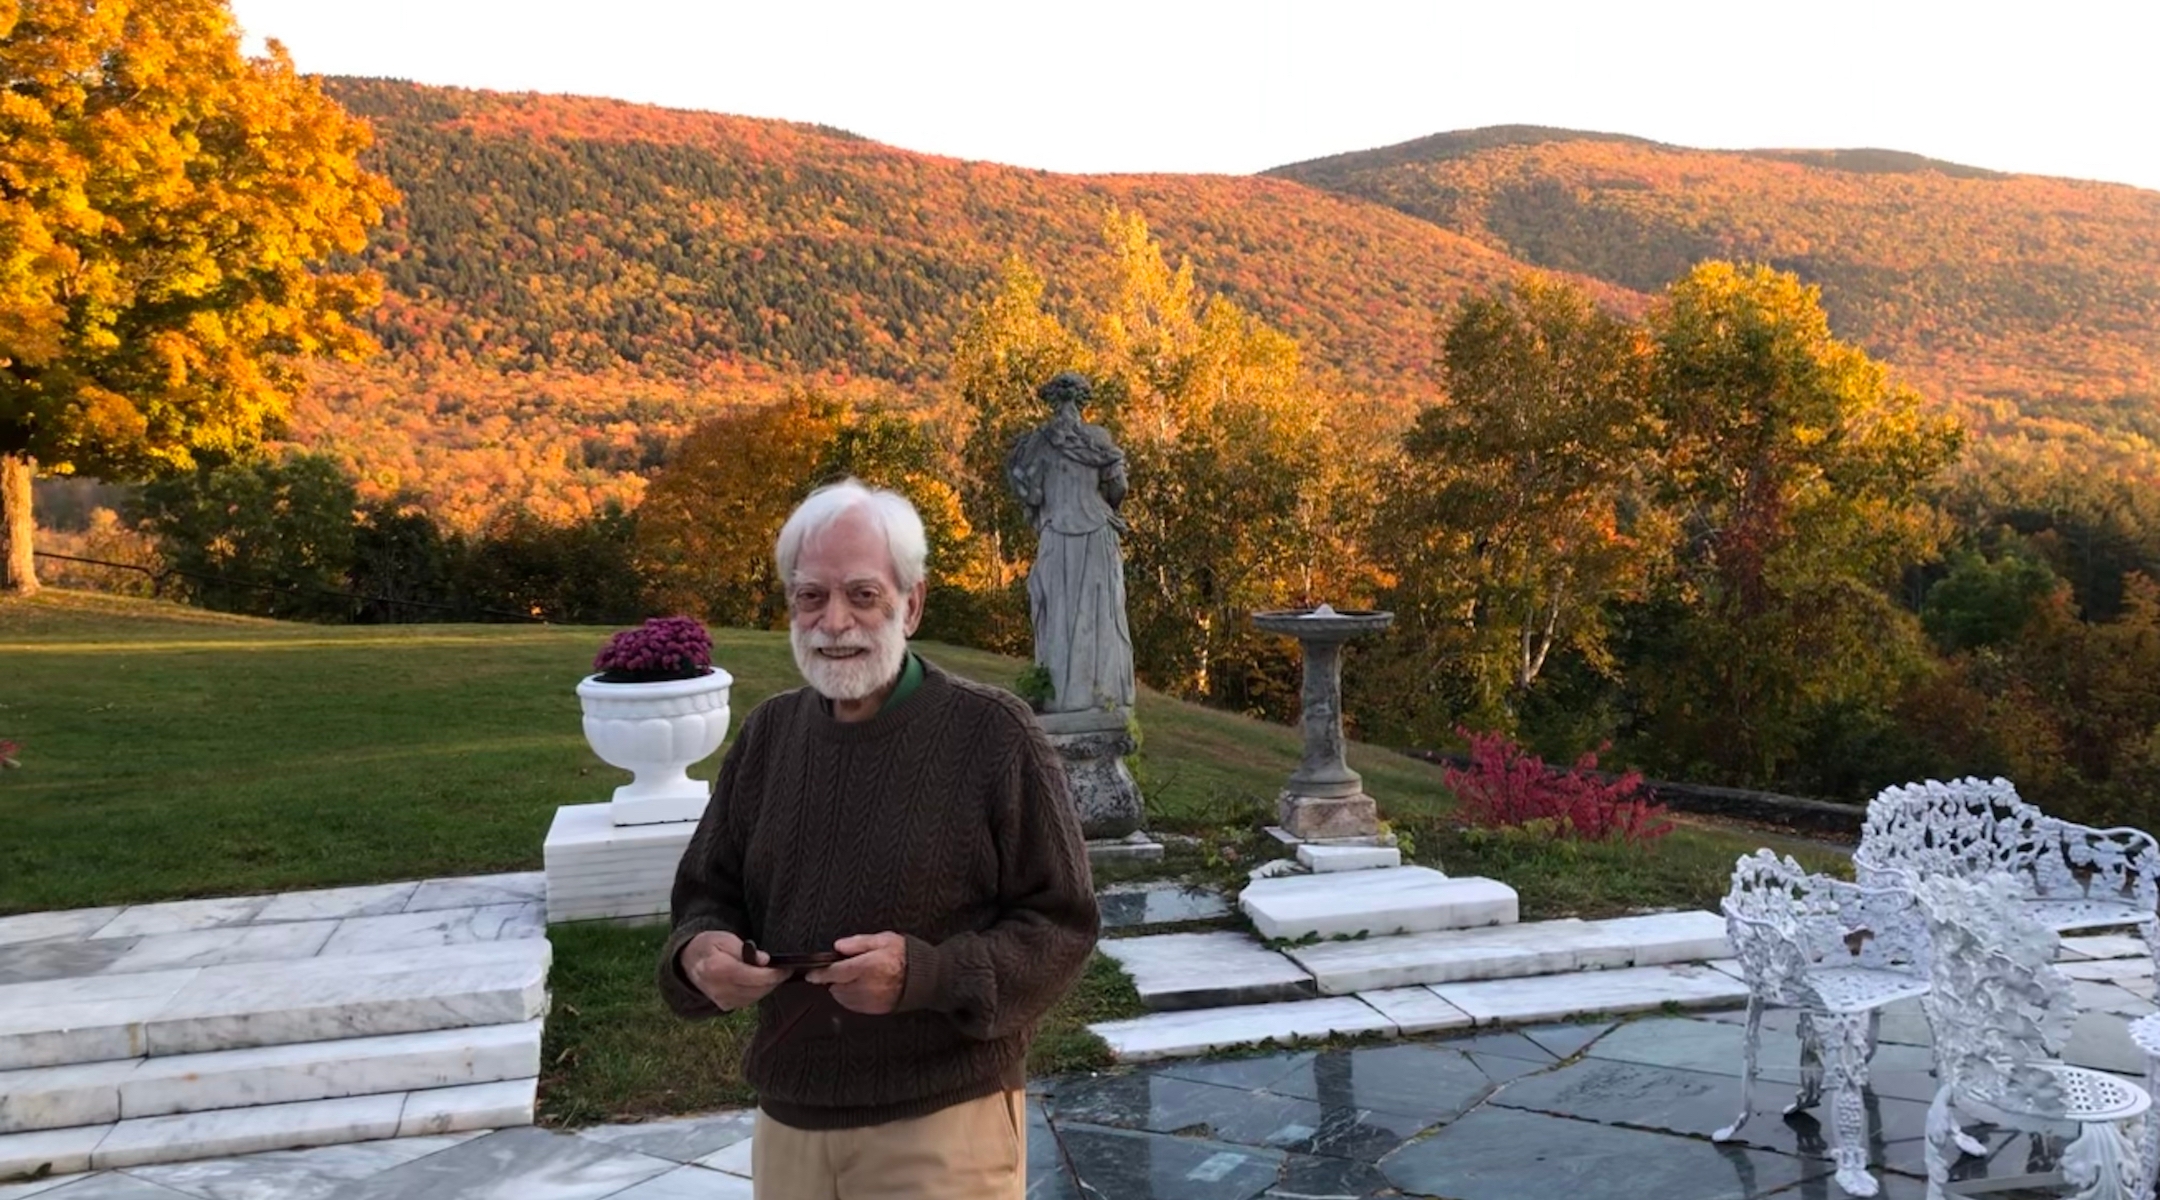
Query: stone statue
{"points": [[1070, 477]]}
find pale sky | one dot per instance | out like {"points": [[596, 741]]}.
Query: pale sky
{"points": [[2067, 87]]}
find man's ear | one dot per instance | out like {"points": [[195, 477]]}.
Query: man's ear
{"points": [[915, 598]]}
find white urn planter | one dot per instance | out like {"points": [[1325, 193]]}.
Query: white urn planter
{"points": [[656, 731]]}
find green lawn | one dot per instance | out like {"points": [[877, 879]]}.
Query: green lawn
{"points": [[169, 753]]}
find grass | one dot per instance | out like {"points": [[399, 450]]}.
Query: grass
{"points": [[171, 753]]}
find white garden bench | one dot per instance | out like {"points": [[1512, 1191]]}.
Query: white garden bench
{"points": [[2074, 877]]}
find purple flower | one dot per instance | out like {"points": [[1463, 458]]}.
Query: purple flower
{"points": [[675, 646]]}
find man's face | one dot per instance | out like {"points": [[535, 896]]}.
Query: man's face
{"points": [[848, 619]]}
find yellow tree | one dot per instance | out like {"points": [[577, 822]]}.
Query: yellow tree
{"points": [[167, 206]]}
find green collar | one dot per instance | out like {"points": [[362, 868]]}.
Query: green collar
{"points": [[910, 679]]}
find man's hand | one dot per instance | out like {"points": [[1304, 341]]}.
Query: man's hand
{"points": [[870, 978], [713, 964]]}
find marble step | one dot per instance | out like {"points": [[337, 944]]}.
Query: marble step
{"points": [[233, 1006], [1415, 1010], [1381, 902], [227, 1132], [1322, 860], [102, 1093], [1512, 951], [1206, 970]]}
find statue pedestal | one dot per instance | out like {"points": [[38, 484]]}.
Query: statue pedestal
{"points": [[1094, 745], [1328, 818]]}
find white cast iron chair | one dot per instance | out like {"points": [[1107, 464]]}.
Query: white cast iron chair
{"points": [[1838, 952], [2001, 1013]]}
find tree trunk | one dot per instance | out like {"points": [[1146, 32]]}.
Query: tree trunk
{"points": [[18, 570]]}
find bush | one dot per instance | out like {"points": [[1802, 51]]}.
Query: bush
{"points": [[1507, 787]]}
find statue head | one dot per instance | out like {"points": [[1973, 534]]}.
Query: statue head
{"points": [[1069, 388]]}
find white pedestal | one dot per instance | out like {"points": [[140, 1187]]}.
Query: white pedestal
{"points": [[598, 869]]}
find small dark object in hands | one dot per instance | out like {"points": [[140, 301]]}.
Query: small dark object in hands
{"points": [[816, 958]]}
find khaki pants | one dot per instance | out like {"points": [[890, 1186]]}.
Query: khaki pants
{"points": [[971, 1151]]}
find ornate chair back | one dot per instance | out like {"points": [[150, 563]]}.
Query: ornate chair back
{"points": [[1998, 1006], [1787, 925], [1974, 827]]}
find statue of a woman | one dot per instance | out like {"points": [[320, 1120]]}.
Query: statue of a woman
{"points": [[1070, 477]]}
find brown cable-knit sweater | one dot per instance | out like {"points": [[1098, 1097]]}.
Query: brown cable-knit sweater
{"points": [[944, 818]]}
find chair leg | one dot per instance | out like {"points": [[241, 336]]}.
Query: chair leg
{"points": [[1941, 1126], [1847, 1035], [1811, 1066], [1747, 1074], [2102, 1164]]}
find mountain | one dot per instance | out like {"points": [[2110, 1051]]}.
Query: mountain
{"points": [[2027, 302], [572, 281]]}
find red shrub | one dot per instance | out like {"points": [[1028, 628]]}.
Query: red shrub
{"points": [[1507, 786]]}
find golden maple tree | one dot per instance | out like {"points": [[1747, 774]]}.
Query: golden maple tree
{"points": [[167, 208]]}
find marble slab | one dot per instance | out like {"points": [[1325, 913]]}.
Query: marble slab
{"points": [[60, 1021], [183, 916], [2106, 945], [1630, 989], [1323, 860], [329, 1070], [1416, 1009], [315, 1173], [30, 962], [515, 1164], [1183, 1034], [502, 1104], [733, 1159], [689, 1183], [1658, 938], [248, 1130], [2109, 969], [1456, 955], [678, 1139], [1158, 902], [50, 1151], [1206, 970], [439, 927], [59, 1097], [362, 995], [1380, 903], [68, 924], [38, 1187], [474, 891], [231, 944], [331, 904]]}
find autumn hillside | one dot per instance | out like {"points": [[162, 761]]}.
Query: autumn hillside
{"points": [[573, 280], [2033, 303]]}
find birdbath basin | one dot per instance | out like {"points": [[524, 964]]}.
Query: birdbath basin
{"points": [[1321, 632]]}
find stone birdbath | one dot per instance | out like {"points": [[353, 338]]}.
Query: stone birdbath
{"points": [[1324, 799]]}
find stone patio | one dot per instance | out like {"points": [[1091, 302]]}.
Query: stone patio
{"points": [[1589, 1111]]}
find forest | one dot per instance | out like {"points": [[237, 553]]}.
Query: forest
{"points": [[1805, 472]]}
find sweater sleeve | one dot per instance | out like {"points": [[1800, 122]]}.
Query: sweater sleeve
{"points": [[708, 893], [997, 982]]}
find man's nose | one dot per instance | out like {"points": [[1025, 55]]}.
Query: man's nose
{"points": [[837, 618]]}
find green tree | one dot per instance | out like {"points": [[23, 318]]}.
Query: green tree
{"points": [[1798, 468], [273, 538], [1983, 602], [166, 206], [1521, 509]]}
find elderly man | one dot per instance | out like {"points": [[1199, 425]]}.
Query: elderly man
{"points": [[916, 826]]}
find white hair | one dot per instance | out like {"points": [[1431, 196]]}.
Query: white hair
{"points": [[889, 511]]}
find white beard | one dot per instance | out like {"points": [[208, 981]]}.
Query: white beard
{"points": [[854, 678]]}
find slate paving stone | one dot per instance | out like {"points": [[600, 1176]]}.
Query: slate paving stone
{"points": [[515, 1164], [1697, 1103], [1504, 1045], [1118, 1164], [1132, 905], [1567, 1041], [1424, 1081], [1508, 1154], [1236, 1072], [1719, 1047], [1164, 1104], [1307, 1178]]}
